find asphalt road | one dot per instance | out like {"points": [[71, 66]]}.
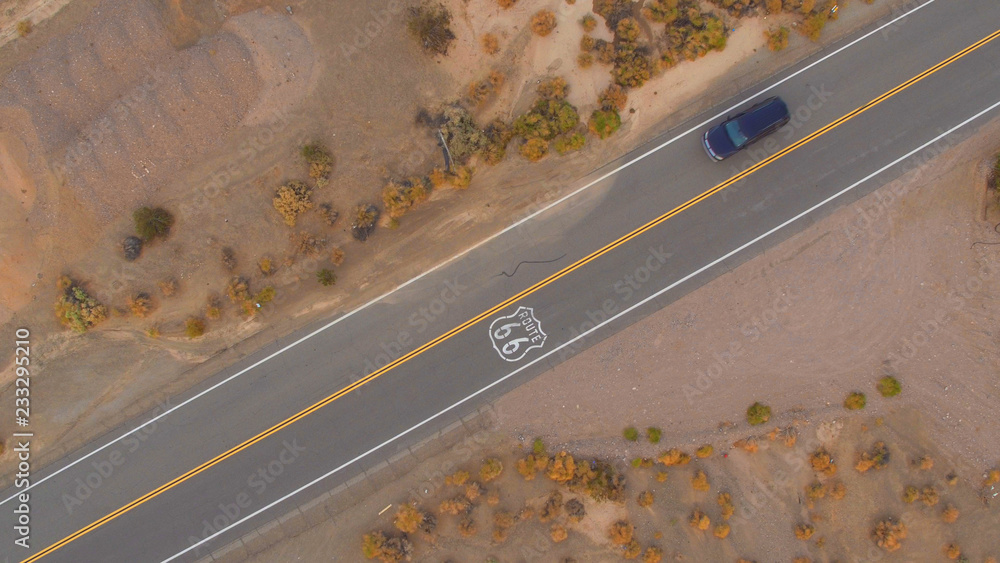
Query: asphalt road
{"points": [[638, 277]]}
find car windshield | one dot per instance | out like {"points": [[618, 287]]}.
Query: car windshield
{"points": [[735, 135]]}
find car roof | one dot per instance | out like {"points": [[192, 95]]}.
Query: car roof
{"points": [[770, 112]]}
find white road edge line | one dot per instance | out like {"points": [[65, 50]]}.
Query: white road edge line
{"points": [[475, 246], [619, 315]]}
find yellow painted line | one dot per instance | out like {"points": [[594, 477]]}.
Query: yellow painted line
{"points": [[565, 271]]}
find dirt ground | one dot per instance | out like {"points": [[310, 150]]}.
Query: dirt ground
{"points": [[889, 285], [201, 107]]}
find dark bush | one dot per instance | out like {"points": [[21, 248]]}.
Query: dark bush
{"points": [[152, 222], [363, 225], [132, 247], [430, 24]]}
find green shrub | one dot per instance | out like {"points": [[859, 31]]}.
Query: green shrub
{"points": [[152, 222], [326, 277], [613, 11], [546, 120], [565, 144], [604, 123], [265, 296], [589, 22], [538, 447], [653, 434], [320, 162], [430, 24], [76, 308], [194, 327], [631, 434], [889, 386], [758, 414], [813, 25], [627, 29], [661, 11], [855, 401]]}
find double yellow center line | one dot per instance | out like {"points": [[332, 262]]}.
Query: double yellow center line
{"points": [[564, 272]]}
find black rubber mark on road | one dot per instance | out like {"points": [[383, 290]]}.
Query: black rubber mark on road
{"points": [[510, 275], [995, 228]]}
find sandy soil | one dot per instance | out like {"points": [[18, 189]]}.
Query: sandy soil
{"points": [[201, 107]]}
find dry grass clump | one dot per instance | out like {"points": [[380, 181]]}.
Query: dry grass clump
{"points": [[530, 465], [483, 90], [804, 531], [674, 456], [388, 550], [952, 551], [474, 490], [400, 196], [813, 25], [24, 28], [292, 200], [561, 468], [748, 444], [168, 287], [490, 470], [721, 531], [467, 527], [457, 478], [558, 533], [726, 508], [950, 514], [653, 554], [889, 534], [699, 481], [328, 214], [876, 458], [320, 162], [490, 43], [661, 476], [929, 496], [699, 520], [265, 265], [552, 507], [704, 451], [506, 4], [621, 532], [787, 435], [777, 39], [76, 308], [430, 24], [992, 477], [543, 22], [815, 490], [910, 494], [838, 490], [645, 499], [502, 523], [140, 305], [822, 462]]}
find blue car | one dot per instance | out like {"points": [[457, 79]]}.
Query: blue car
{"points": [[736, 133]]}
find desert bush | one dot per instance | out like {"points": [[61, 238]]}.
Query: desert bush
{"points": [[575, 510], [605, 52], [530, 465], [699, 481], [627, 29], [952, 551], [804, 531], [238, 290], [558, 533], [495, 139], [642, 462], [645, 499], [773, 6], [674, 456], [568, 143], [399, 197], [599, 481], [152, 222], [168, 287], [194, 327], [265, 265], [661, 11], [213, 311], [653, 555], [457, 478], [153, 332], [613, 11], [337, 256], [371, 544], [543, 22], [748, 444], [546, 120], [777, 39], [505, 4], [473, 490], [552, 507], [490, 43], [589, 23], [490, 469], [726, 508], [467, 527], [889, 386], [561, 468], [693, 35], [326, 277], [631, 434], [822, 462], [328, 214], [876, 458], [482, 90], [699, 520], [461, 133], [585, 60], [815, 490], [653, 434], [131, 248], [534, 149], [587, 43], [837, 490], [949, 514], [455, 505], [140, 305], [291, 200], [228, 259], [553, 89], [621, 532], [855, 401], [408, 518], [76, 308], [631, 550], [264, 296], [363, 224], [430, 24], [502, 522], [24, 28], [604, 123], [613, 98], [632, 69], [737, 8], [889, 534], [992, 477], [758, 414], [787, 435], [661, 476], [929, 496], [910, 494], [320, 162], [721, 530], [704, 451], [812, 26], [924, 463]]}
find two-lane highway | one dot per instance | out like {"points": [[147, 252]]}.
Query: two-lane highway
{"points": [[466, 333]]}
